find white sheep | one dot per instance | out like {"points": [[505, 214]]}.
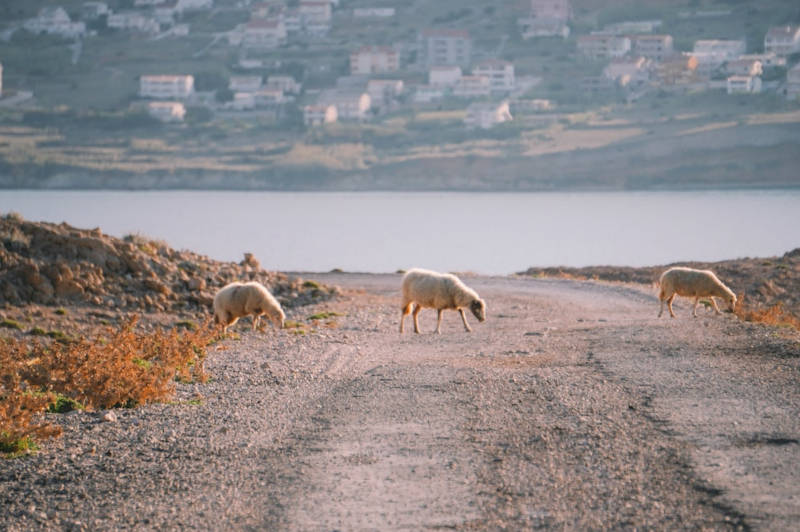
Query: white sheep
{"points": [[689, 282], [441, 291], [236, 300]]}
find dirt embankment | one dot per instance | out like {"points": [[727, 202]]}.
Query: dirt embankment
{"points": [[62, 266], [764, 282]]}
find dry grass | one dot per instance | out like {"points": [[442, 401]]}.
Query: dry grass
{"points": [[118, 368], [774, 315]]}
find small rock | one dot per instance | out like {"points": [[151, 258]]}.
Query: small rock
{"points": [[109, 416]]}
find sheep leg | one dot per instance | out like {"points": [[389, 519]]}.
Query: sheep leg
{"points": [[714, 305], [439, 321], [405, 312], [255, 320], [414, 315], [669, 305], [464, 319], [694, 309]]}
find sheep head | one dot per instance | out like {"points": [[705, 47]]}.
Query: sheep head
{"points": [[478, 309]]}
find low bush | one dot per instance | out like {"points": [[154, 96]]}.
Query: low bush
{"points": [[118, 368]]}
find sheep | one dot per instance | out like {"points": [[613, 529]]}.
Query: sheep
{"points": [[441, 291], [236, 300], [693, 283]]}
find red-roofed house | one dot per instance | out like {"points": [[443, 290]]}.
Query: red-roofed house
{"points": [[264, 33]]}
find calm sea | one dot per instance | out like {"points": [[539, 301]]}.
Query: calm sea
{"points": [[485, 233]]}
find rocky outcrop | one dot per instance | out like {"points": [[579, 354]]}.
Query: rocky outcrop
{"points": [[58, 264]]}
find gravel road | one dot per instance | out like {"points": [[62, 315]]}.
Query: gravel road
{"points": [[571, 407]]}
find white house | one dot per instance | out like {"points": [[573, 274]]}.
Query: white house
{"points": [[383, 92], [629, 27], [350, 105], [287, 84], [166, 86], [440, 46], [374, 59], [194, 5], [713, 53], [782, 40], [319, 114], [243, 101], [743, 84], [629, 70], [744, 67], [604, 46], [486, 115], [315, 16], [444, 76], [655, 47], [770, 59], [131, 20], [551, 9], [264, 33], [266, 97], [167, 111], [472, 87], [54, 20], [500, 74], [244, 83]]}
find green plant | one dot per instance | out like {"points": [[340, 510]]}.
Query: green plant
{"points": [[324, 315], [8, 323], [64, 404]]}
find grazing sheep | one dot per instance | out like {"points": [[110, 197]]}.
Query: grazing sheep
{"points": [[440, 291], [693, 283], [237, 300]]}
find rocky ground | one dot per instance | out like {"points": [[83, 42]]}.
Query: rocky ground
{"points": [[572, 406], [60, 278]]}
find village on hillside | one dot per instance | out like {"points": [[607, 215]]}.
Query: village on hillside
{"points": [[440, 64]]}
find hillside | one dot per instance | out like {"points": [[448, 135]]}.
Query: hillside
{"points": [[86, 125]]}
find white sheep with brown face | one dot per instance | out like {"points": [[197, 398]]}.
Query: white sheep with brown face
{"points": [[689, 282], [428, 289], [236, 300]]}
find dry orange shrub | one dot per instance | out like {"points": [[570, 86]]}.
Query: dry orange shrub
{"points": [[774, 315], [122, 367]]}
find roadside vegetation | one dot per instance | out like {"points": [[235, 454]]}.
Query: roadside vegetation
{"points": [[117, 368]]}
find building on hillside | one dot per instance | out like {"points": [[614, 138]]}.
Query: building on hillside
{"points": [[319, 114], [384, 92], [242, 101], [679, 68], [94, 10], [782, 40], [267, 97], [350, 105], [767, 59], [315, 16], [167, 111], [374, 59], [711, 54], [244, 83], [53, 20], [743, 84], [541, 27], [444, 47], [194, 5], [485, 115], [131, 20], [655, 47], [500, 74], [287, 84], [166, 86], [472, 87], [444, 76], [631, 71], [601, 46], [744, 67], [264, 34], [792, 88]]}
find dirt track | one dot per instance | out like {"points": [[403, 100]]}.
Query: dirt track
{"points": [[572, 406]]}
